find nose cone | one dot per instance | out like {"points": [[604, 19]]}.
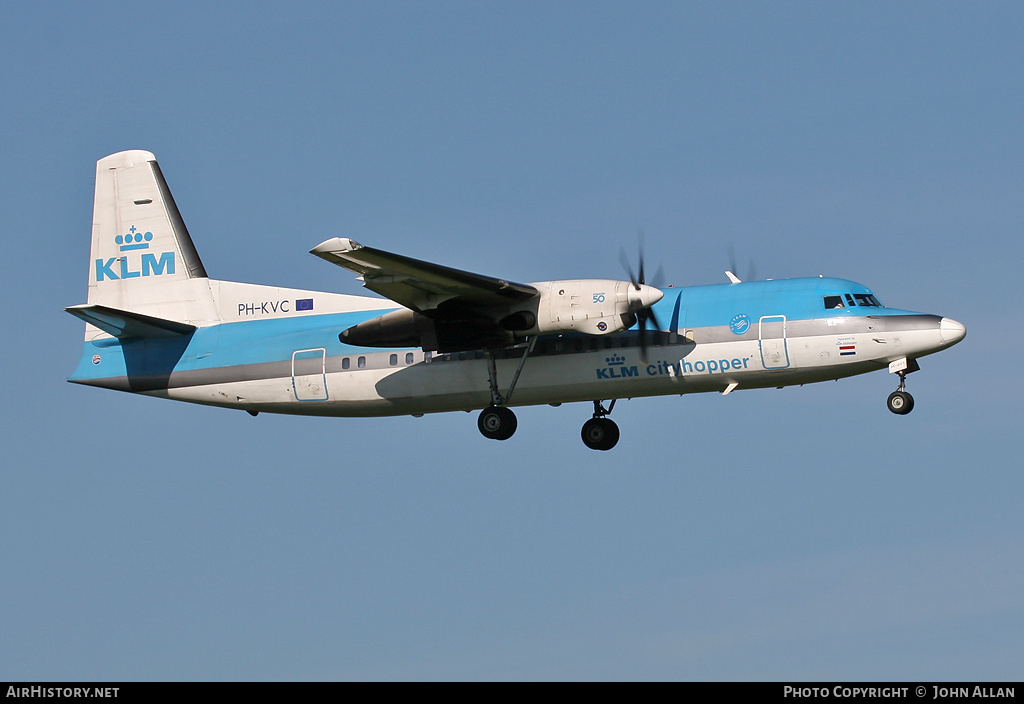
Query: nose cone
{"points": [[951, 331], [646, 297]]}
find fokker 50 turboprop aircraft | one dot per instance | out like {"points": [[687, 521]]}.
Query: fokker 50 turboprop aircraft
{"points": [[449, 340]]}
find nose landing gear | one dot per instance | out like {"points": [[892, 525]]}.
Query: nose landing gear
{"points": [[600, 433], [900, 401]]}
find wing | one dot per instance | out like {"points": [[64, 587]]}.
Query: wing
{"points": [[418, 285]]}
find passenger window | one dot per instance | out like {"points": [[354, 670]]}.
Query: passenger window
{"points": [[393, 360], [345, 363], [833, 302], [408, 357], [361, 362]]}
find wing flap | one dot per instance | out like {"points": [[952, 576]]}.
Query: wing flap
{"points": [[417, 284]]}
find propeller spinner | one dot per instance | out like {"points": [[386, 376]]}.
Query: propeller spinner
{"points": [[641, 298]]}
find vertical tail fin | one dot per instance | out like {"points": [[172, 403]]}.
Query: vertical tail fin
{"points": [[143, 258]]}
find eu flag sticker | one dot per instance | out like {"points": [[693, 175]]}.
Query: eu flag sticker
{"points": [[304, 304]]}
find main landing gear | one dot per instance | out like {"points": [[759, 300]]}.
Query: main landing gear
{"points": [[496, 422], [900, 401], [600, 433]]}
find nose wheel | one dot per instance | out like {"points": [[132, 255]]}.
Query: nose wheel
{"points": [[900, 401], [600, 433]]}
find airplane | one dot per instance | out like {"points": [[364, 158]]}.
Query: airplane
{"points": [[443, 339]]}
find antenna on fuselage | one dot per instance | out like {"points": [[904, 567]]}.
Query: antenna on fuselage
{"points": [[751, 269]]}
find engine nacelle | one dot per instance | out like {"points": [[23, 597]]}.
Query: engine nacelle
{"points": [[590, 306]]}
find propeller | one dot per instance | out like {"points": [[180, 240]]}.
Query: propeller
{"points": [[647, 295]]}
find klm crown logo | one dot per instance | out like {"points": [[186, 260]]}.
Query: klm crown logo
{"points": [[617, 368], [134, 240], [128, 267]]}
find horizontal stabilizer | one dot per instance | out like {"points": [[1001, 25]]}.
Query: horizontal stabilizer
{"points": [[124, 324]]}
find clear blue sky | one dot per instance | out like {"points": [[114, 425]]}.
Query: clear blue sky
{"points": [[804, 533]]}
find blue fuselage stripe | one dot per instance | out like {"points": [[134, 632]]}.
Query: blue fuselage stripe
{"points": [[261, 341]]}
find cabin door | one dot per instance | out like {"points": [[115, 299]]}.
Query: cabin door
{"points": [[774, 354], [309, 374]]}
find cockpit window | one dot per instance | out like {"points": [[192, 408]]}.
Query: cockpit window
{"points": [[850, 300], [866, 299]]}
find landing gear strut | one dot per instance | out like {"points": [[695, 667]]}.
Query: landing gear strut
{"points": [[600, 433], [900, 401], [496, 422]]}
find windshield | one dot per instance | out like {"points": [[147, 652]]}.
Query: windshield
{"points": [[850, 300], [867, 299]]}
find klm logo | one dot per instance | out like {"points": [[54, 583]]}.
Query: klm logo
{"points": [[126, 267], [616, 369], [133, 240]]}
